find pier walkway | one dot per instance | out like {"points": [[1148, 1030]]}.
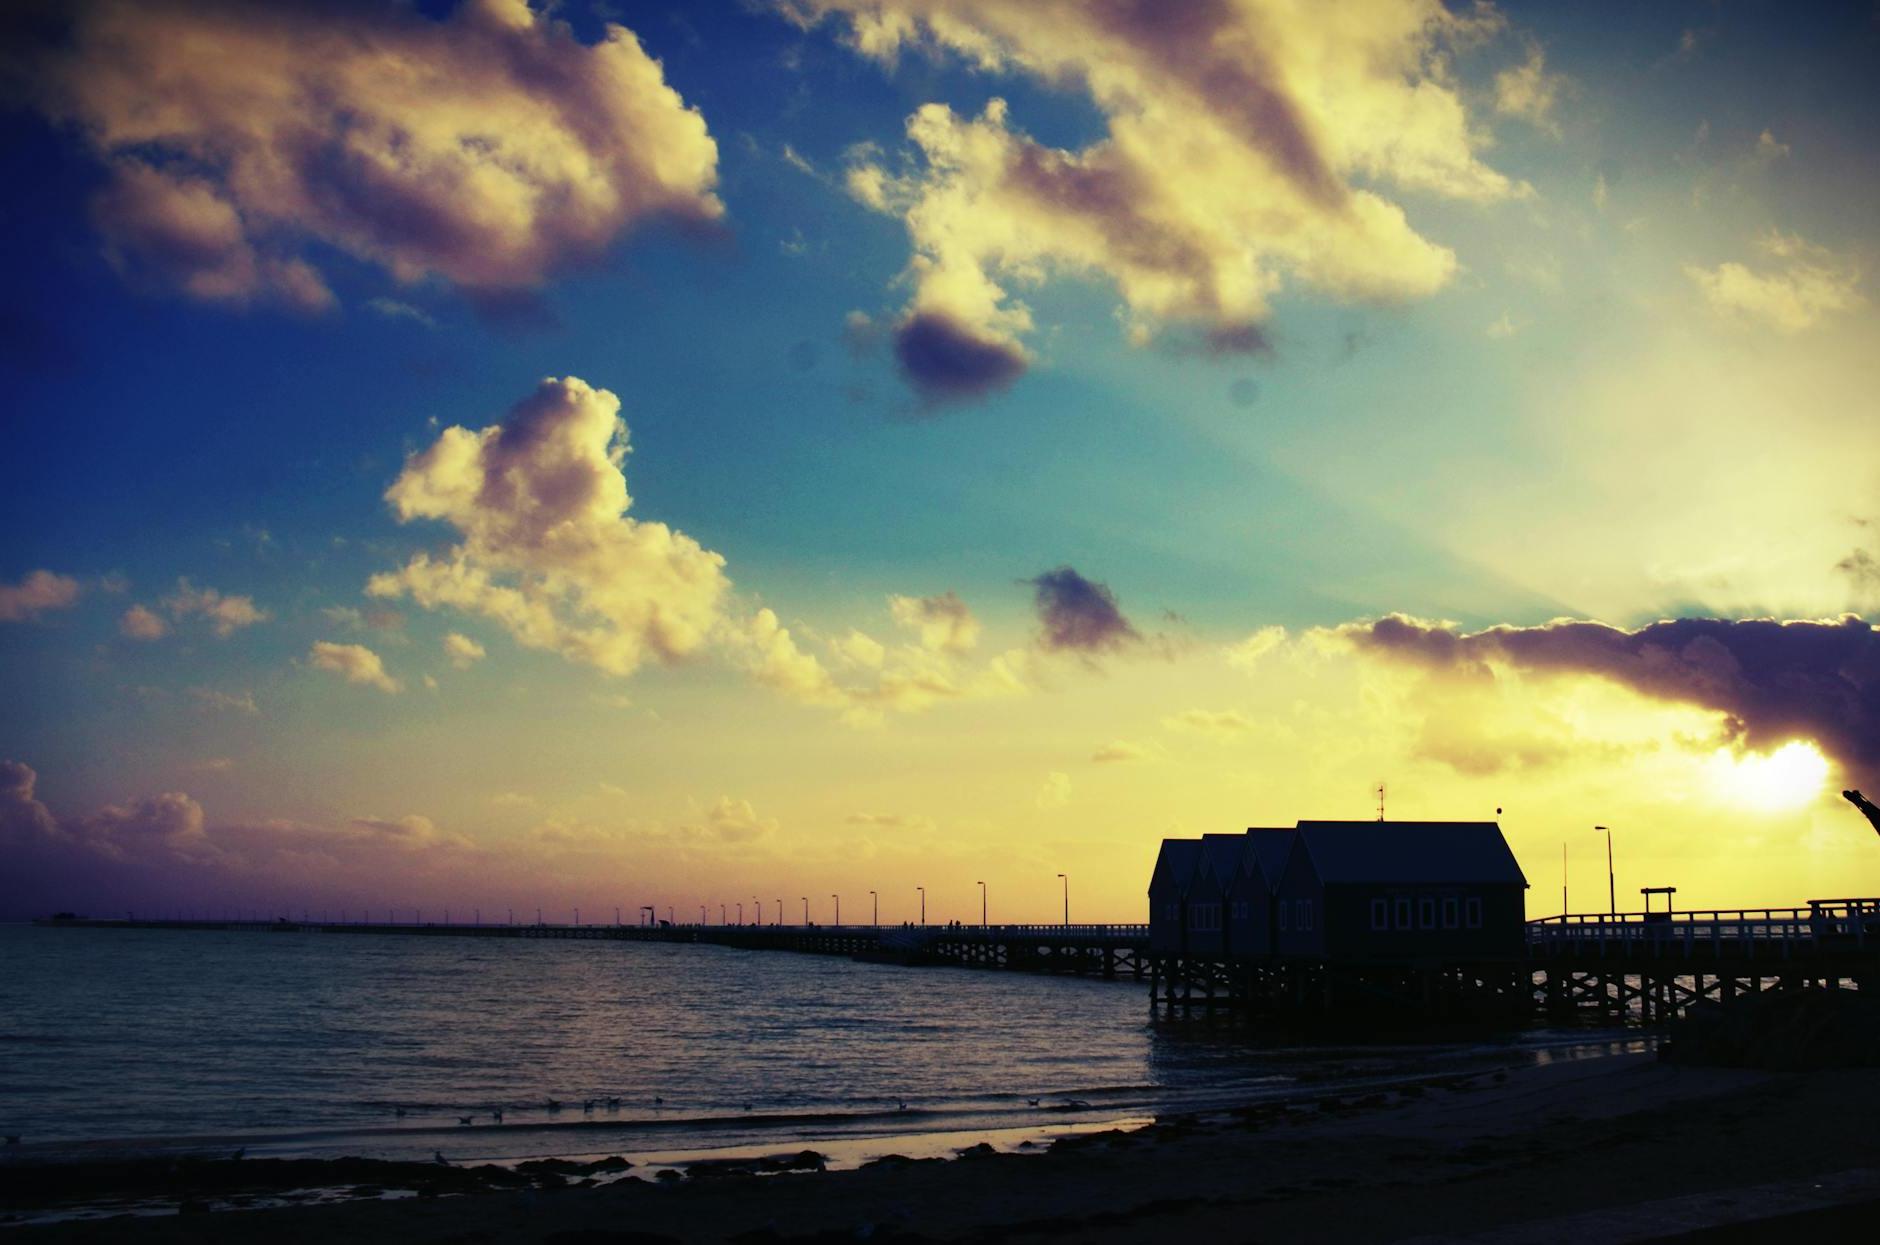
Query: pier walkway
{"points": [[1650, 965]]}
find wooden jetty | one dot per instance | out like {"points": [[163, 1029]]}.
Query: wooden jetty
{"points": [[1646, 966]]}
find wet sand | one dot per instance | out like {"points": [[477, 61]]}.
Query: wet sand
{"points": [[1617, 1148]]}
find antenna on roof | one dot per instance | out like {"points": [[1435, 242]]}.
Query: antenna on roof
{"points": [[1380, 801]]}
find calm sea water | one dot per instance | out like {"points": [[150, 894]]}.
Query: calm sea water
{"points": [[310, 1044]]}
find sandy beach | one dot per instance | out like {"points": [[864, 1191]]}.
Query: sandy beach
{"points": [[1617, 1148]]}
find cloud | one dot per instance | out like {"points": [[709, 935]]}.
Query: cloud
{"points": [[355, 663], [1246, 147], [734, 821], [1769, 149], [37, 593], [944, 622], [462, 651], [1222, 722], [225, 613], [489, 148], [1801, 284], [1056, 791], [1504, 328], [392, 309], [412, 832], [890, 821], [547, 550], [209, 700], [1079, 615], [1529, 92], [1246, 654], [139, 623], [1773, 681], [1118, 751]]}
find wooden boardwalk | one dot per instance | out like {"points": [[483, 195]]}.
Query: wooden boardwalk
{"points": [[1646, 966]]}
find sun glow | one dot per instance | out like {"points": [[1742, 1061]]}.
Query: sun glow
{"points": [[1789, 777]]}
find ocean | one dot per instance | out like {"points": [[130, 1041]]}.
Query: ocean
{"points": [[142, 1041]]}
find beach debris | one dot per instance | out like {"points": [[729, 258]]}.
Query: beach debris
{"points": [[983, 1150], [237, 1156], [497, 1116]]}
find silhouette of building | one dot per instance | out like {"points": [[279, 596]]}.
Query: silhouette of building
{"points": [[1348, 891]]}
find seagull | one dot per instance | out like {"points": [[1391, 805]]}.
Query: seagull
{"points": [[553, 1105], [588, 1105], [437, 1156], [903, 1104], [1031, 1102], [658, 1101], [465, 1119], [238, 1154], [399, 1111], [612, 1103], [497, 1116], [747, 1106]]}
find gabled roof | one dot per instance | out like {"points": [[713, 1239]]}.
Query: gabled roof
{"points": [[1176, 862], [1223, 853], [1271, 844], [1428, 852]]}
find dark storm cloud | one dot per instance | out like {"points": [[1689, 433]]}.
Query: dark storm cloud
{"points": [[1080, 615], [946, 361], [1776, 681]]}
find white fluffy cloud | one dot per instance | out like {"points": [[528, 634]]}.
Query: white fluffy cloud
{"points": [[140, 623], [1530, 92], [489, 147], [943, 622], [226, 613], [462, 651], [355, 663], [1250, 144], [1799, 285], [547, 550], [36, 594]]}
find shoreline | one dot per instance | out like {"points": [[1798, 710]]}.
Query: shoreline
{"points": [[1493, 1149]]}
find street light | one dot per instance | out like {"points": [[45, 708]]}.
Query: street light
{"points": [[1612, 893], [757, 912], [740, 914], [701, 914], [760, 914], [877, 899], [1067, 899], [923, 905], [838, 900], [806, 912], [982, 905], [721, 915]]}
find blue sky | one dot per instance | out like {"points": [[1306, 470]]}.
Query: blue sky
{"points": [[1576, 422]]}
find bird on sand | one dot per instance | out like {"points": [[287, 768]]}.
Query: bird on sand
{"points": [[553, 1104], [437, 1156], [465, 1119], [658, 1101], [613, 1103], [399, 1112], [497, 1116], [238, 1154], [587, 1105], [1031, 1102]]}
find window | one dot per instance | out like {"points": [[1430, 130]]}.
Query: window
{"points": [[1473, 912], [1380, 914], [1305, 914], [1450, 920], [1284, 908], [1172, 911], [1403, 913], [1426, 913], [1204, 917]]}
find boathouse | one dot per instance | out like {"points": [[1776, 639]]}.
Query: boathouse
{"points": [[1400, 890], [1168, 894]]}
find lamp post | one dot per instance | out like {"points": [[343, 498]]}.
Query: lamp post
{"points": [[740, 914], [1067, 899], [838, 900], [616, 914], [877, 898], [1563, 879], [923, 904], [1612, 892], [982, 905], [806, 912], [721, 915], [760, 914], [757, 912], [701, 914]]}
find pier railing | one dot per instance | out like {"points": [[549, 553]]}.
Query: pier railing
{"points": [[1823, 925]]}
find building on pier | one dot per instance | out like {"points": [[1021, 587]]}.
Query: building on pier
{"points": [[1355, 891]]}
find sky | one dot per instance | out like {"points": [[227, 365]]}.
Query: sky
{"points": [[501, 458]]}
